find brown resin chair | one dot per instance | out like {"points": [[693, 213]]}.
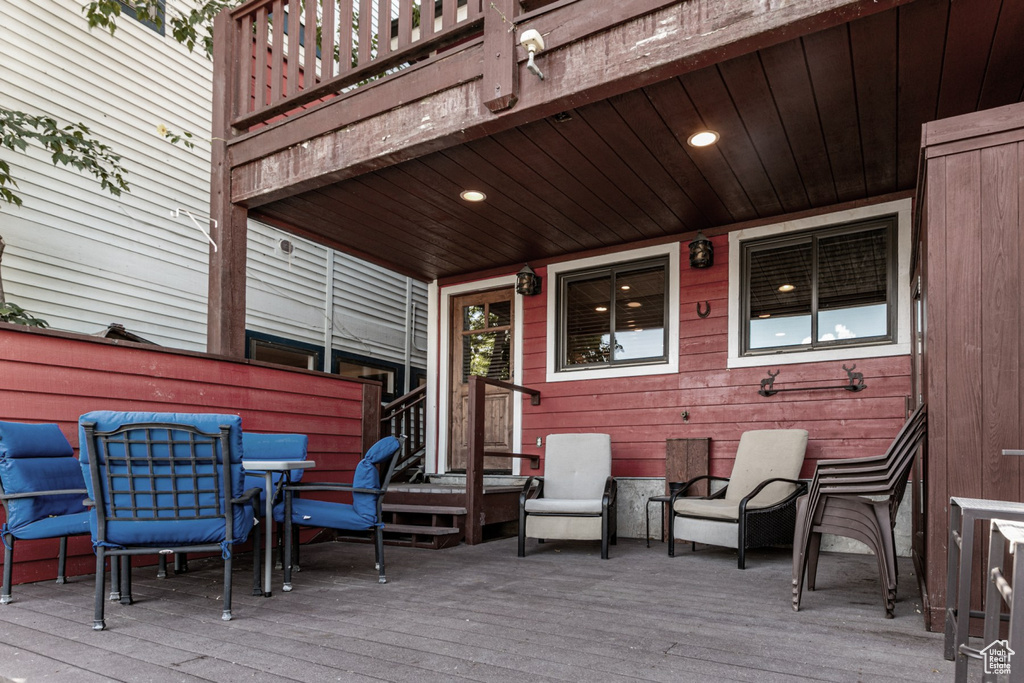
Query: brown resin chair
{"points": [[857, 498], [757, 506]]}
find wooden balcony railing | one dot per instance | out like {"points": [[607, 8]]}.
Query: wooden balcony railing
{"points": [[407, 416], [475, 458], [291, 53]]}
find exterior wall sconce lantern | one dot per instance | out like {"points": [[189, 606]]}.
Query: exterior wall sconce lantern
{"points": [[527, 281], [702, 252]]}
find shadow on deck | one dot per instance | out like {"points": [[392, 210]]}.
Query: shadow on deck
{"points": [[478, 613]]}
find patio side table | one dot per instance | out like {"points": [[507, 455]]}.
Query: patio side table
{"points": [[963, 513], [268, 467], [664, 500]]}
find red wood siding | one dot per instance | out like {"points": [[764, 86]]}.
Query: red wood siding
{"points": [[640, 413], [55, 377]]}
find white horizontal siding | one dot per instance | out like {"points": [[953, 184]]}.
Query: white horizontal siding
{"points": [[81, 258], [285, 294]]}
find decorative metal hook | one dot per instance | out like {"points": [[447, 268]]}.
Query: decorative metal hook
{"points": [[707, 310]]}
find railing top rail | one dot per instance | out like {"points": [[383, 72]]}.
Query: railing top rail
{"points": [[533, 393], [410, 399]]}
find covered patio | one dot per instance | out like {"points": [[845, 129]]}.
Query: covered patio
{"points": [[478, 613]]}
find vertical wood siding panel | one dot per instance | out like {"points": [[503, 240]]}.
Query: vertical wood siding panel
{"points": [[1000, 322]]}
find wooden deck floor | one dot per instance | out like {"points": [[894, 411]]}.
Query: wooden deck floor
{"points": [[482, 614]]}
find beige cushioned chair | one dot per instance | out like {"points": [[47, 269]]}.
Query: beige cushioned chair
{"points": [[757, 507], [575, 499]]}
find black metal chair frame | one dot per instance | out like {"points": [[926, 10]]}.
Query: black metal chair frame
{"points": [[291, 539], [758, 527], [103, 481], [609, 513]]}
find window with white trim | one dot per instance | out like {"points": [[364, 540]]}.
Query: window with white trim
{"points": [[825, 288], [613, 315]]}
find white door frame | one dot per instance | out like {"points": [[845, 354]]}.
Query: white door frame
{"points": [[438, 361]]}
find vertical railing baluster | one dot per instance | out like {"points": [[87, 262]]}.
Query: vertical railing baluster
{"points": [[449, 13], [327, 40], [243, 43], [260, 59], [427, 18], [404, 23], [277, 51], [365, 31], [345, 32], [309, 45], [383, 27], [291, 85]]}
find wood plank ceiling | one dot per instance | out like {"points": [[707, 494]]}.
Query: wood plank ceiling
{"points": [[830, 117]]}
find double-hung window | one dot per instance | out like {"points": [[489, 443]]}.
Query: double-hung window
{"points": [[831, 287], [613, 315]]}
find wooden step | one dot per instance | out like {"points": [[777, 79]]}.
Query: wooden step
{"points": [[420, 530], [424, 509]]}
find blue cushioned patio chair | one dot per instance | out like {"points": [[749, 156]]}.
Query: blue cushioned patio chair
{"points": [[42, 491], [162, 483], [275, 447], [369, 484]]}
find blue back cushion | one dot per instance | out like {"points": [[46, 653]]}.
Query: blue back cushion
{"points": [[367, 477], [150, 531], [273, 447], [37, 457]]}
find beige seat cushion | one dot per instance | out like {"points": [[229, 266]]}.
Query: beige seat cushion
{"points": [[767, 454], [589, 506]]}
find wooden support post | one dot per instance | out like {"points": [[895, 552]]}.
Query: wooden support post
{"points": [[371, 415], [225, 327], [475, 462], [501, 68]]}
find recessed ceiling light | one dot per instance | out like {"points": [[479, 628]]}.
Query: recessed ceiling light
{"points": [[601, 309], [624, 288], [473, 195], [780, 334], [634, 304], [765, 315], [786, 288], [638, 329], [703, 138]]}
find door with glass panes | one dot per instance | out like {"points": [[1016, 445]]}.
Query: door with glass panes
{"points": [[481, 344]]}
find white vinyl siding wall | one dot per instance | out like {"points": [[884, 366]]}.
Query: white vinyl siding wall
{"points": [[81, 258]]}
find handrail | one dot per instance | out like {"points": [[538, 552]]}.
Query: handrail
{"points": [[475, 456], [406, 416]]}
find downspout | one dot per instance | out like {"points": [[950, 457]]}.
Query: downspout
{"points": [[329, 313], [410, 324]]}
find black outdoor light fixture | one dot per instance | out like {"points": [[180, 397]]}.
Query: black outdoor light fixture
{"points": [[702, 252], [527, 281]]}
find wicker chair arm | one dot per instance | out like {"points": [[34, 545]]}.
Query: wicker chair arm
{"points": [[683, 489], [801, 488]]}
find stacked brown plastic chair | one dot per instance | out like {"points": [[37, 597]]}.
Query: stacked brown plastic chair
{"points": [[857, 498]]}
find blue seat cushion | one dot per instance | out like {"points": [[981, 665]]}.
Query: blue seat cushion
{"points": [[325, 514], [54, 527], [208, 523], [33, 458], [272, 447]]}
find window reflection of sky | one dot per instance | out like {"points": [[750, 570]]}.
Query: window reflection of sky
{"points": [[637, 344], [845, 323]]}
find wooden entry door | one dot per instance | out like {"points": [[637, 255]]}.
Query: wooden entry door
{"points": [[481, 344]]}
